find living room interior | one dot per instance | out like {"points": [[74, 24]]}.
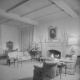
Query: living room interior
{"points": [[25, 28]]}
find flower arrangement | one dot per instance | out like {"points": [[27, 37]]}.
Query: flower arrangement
{"points": [[32, 47]]}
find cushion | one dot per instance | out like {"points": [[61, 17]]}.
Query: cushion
{"points": [[19, 53], [26, 53], [69, 57], [12, 55], [15, 54]]}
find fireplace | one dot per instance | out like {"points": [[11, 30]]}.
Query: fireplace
{"points": [[54, 53]]}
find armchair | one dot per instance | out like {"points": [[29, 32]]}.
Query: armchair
{"points": [[47, 72], [71, 66]]}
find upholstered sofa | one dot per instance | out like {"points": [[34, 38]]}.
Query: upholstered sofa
{"points": [[18, 55]]}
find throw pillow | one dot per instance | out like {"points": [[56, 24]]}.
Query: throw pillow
{"points": [[69, 56]]}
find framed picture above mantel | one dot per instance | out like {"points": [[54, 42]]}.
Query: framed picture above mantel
{"points": [[52, 33]]}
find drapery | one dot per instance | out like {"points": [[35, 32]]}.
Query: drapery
{"points": [[26, 37], [0, 39]]}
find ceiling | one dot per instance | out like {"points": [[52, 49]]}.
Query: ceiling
{"points": [[21, 13]]}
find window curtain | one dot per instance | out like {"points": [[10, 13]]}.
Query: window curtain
{"points": [[0, 39], [26, 37]]}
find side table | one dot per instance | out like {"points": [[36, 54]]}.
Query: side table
{"points": [[60, 66]]}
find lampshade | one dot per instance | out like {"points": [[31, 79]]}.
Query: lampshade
{"points": [[73, 41]]}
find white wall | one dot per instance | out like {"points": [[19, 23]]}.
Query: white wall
{"points": [[71, 25], [10, 34]]}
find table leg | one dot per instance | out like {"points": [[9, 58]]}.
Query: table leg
{"points": [[21, 63], [60, 71], [14, 62], [9, 62], [17, 64], [65, 69]]}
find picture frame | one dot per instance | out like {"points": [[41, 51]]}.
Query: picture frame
{"points": [[9, 45], [52, 33]]}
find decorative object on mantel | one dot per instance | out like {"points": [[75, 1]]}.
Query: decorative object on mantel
{"points": [[52, 33], [65, 35]]}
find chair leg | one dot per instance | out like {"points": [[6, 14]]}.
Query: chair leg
{"points": [[14, 62], [60, 71], [8, 62], [21, 63], [65, 69], [17, 63]]}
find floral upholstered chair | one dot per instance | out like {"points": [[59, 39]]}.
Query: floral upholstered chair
{"points": [[71, 66], [47, 72]]}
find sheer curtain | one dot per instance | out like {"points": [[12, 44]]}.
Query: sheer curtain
{"points": [[26, 37]]}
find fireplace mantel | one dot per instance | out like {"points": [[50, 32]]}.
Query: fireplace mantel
{"points": [[56, 45]]}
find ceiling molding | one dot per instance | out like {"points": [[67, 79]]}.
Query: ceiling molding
{"points": [[17, 17], [5, 21], [65, 7], [38, 9], [18, 4]]}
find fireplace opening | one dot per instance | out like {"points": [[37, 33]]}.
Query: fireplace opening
{"points": [[55, 54]]}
